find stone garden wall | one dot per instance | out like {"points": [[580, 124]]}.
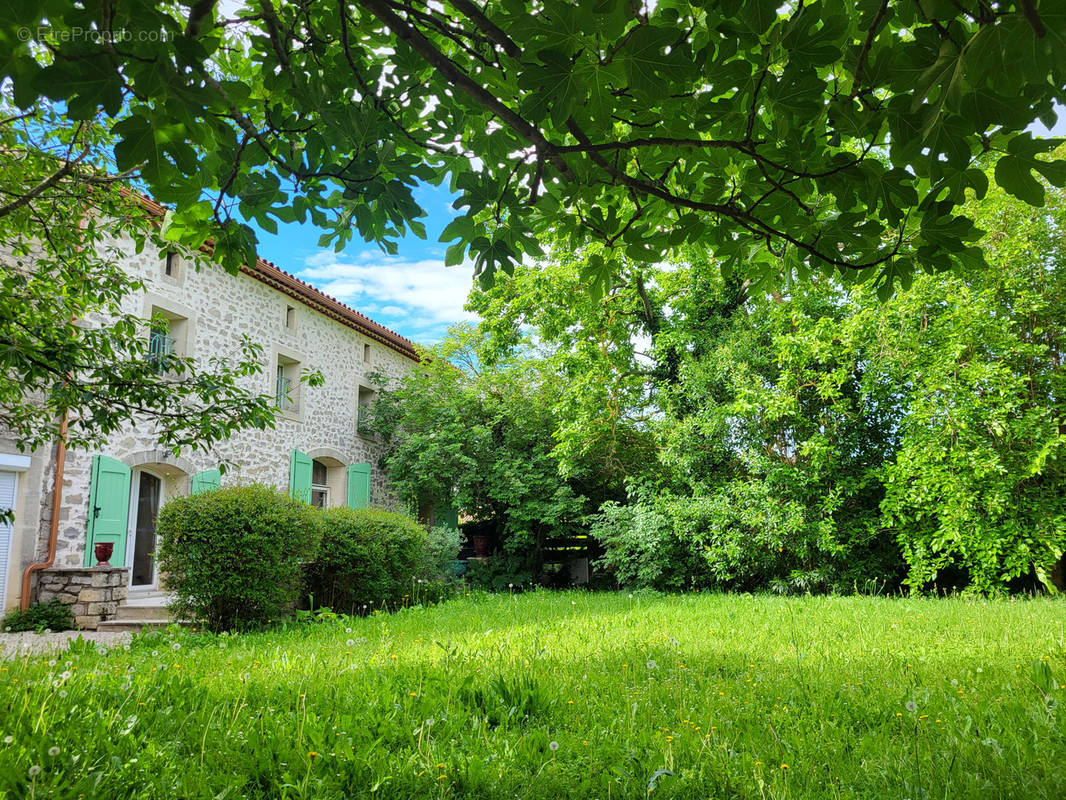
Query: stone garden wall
{"points": [[94, 593]]}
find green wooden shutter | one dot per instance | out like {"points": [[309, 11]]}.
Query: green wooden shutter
{"points": [[358, 486], [205, 481], [300, 476], [109, 509]]}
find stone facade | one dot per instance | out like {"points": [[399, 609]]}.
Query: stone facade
{"points": [[210, 310], [94, 593]]}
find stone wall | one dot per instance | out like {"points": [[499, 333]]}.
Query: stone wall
{"points": [[218, 308], [94, 593]]}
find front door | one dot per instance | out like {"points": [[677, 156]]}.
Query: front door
{"points": [[146, 494]]}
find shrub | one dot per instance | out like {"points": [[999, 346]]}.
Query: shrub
{"points": [[368, 557], [232, 557], [442, 549], [50, 616], [642, 550], [502, 572]]}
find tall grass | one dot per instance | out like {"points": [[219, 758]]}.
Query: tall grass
{"points": [[561, 695]]}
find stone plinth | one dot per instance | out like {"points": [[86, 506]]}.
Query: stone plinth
{"points": [[94, 593]]}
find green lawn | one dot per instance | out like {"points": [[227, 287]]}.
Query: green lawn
{"points": [[560, 695]]}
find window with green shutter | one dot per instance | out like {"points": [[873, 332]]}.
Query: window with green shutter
{"points": [[109, 508], [205, 481], [300, 469], [359, 486]]}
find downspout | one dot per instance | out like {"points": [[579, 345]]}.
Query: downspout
{"points": [[53, 531]]}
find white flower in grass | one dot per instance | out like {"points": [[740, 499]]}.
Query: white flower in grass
{"points": [[911, 706], [62, 692], [347, 630], [52, 663], [34, 771], [350, 643], [9, 739], [553, 746], [651, 664], [176, 646], [53, 751]]}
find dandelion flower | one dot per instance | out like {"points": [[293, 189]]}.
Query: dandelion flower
{"points": [[176, 646], [53, 751], [911, 706], [553, 746], [651, 664], [34, 771], [9, 739], [784, 766]]}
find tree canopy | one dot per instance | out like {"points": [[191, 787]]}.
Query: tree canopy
{"points": [[788, 138], [67, 340], [815, 437]]}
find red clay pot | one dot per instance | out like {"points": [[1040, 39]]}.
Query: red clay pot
{"points": [[103, 552]]}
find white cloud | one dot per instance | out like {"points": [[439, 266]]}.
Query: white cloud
{"points": [[424, 293]]}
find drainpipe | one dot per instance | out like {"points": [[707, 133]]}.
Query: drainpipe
{"points": [[53, 531]]}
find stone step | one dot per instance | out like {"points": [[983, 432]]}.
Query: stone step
{"points": [[132, 625], [131, 612]]}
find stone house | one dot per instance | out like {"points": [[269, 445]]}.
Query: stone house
{"points": [[316, 450]]}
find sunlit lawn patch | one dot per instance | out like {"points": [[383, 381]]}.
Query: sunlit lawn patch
{"points": [[561, 695]]}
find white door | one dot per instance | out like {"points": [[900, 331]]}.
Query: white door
{"points": [[145, 496], [8, 482]]}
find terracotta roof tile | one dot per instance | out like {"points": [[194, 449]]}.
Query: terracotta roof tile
{"points": [[274, 276]]}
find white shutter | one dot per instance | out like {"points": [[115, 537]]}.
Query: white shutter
{"points": [[8, 481]]}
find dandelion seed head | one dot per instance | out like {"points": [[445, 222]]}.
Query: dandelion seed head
{"points": [[53, 751], [34, 771], [911, 706], [553, 746], [651, 664]]}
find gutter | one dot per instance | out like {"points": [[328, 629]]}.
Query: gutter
{"points": [[53, 530]]}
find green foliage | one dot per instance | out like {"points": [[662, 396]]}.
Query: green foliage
{"points": [[479, 438], [823, 438], [232, 557], [66, 234], [369, 559], [548, 695], [503, 572], [642, 549], [40, 617], [443, 544], [794, 139]]}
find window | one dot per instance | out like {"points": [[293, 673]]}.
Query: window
{"points": [[363, 406], [160, 343], [287, 384], [290, 318], [167, 336], [319, 484], [366, 354], [170, 268]]}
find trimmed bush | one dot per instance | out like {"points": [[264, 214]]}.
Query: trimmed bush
{"points": [[233, 556], [368, 557], [51, 616]]}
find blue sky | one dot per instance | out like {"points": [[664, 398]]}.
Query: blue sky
{"points": [[413, 292]]}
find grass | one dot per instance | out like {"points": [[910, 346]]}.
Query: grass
{"points": [[551, 695]]}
